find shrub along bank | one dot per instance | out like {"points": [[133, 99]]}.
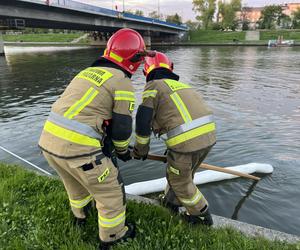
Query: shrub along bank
{"points": [[35, 214]]}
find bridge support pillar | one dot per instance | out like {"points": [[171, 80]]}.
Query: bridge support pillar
{"points": [[98, 38], [147, 38], [1, 45]]}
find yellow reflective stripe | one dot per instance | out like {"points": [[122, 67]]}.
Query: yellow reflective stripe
{"points": [[131, 106], [150, 68], [121, 144], [113, 222], [164, 65], [181, 107], [174, 170], [70, 135], [149, 93], [95, 75], [194, 200], [191, 134], [116, 57], [124, 96], [102, 177], [142, 140], [175, 85], [81, 203], [78, 106]]}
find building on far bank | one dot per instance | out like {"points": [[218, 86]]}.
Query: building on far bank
{"points": [[253, 14], [289, 8]]}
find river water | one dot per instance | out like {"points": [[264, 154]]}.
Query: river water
{"points": [[255, 95]]}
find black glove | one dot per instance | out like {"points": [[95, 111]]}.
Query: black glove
{"points": [[137, 156], [124, 156]]}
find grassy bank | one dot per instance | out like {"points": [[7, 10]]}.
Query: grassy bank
{"points": [[34, 214], [215, 36], [55, 37], [223, 37], [273, 34]]}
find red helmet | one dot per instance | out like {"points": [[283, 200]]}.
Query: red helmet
{"points": [[160, 60], [127, 49]]}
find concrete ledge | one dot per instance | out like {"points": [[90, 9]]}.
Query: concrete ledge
{"points": [[216, 44], [46, 44], [245, 228]]}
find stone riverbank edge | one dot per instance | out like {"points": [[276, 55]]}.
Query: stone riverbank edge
{"points": [[254, 44], [245, 228]]}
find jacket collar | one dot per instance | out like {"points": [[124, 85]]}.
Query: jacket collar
{"points": [[161, 73], [103, 62]]}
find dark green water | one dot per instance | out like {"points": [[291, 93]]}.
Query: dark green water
{"points": [[255, 93]]}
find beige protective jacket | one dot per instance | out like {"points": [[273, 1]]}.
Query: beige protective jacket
{"points": [[167, 105]]}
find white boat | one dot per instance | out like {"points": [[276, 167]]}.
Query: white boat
{"points": [[280, 42]]}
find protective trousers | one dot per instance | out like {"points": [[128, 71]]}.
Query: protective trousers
{"points": [[181, 190], [100, 181]]}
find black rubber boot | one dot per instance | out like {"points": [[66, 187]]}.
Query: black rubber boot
{"points": [[89, 208], [80, 222], [202, 219], [130, 234], [172, 207]]}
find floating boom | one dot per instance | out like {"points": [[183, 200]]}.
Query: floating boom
{"points": [[158, 185]]}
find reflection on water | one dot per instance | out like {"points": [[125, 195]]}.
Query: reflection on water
{"points": [[253, 91]]}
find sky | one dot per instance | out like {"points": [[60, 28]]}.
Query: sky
{"points": [[170, 7]]}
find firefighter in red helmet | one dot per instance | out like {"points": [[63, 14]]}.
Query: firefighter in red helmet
{"points": [[88, 127], [175, 110]]}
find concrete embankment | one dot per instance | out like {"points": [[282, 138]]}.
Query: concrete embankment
{"points": [[233, 44], [184, 44], [245, 228]]}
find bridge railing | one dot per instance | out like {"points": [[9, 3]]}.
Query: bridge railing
{"points": [[83, 7]]}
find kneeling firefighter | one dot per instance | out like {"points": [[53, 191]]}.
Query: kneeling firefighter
{"points": [[90, 123], [173, 108]]}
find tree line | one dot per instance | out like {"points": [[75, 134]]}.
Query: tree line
{"points": [[227, 16], [176, 18]]}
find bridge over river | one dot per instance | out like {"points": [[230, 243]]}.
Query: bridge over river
{"points": [[72, 15]]}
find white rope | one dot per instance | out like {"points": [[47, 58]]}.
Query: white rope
{"points": [[22, 159]]}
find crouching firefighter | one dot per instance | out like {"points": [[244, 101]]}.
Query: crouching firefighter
{"points": [[173, 108], [87, 126]]}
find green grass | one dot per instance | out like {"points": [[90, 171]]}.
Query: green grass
{"points": [[34, 214], [273, 34], [223, 37], [55, 37], [215, 36]]}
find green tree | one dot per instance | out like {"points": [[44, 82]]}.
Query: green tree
{"points": [[296, 19], [270, 17], [192, 25], [174, 19], [139, 13], [129, 11], [206, 9], [154, 14], [227, 13], [245, 25], [285, 22]]}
